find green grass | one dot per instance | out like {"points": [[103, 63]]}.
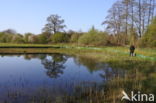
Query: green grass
{"points": [[27, 46], [100, 53]]}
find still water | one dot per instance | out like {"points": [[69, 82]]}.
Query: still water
{"points": [[37, 75]]}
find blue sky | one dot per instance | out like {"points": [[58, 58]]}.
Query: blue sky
{"points": [[30, 15]]}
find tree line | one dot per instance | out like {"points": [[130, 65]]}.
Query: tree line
{"points": [[130, 19], [128, 22]]}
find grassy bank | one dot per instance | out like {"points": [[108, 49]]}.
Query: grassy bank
{"points": [[28, 46], [99, 53]]}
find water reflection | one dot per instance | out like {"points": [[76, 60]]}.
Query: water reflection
{"points": [[70, 74], [106, 71], [32, 56], [54, 65]]}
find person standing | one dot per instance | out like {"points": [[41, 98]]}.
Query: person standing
{"points": [[132, 49]]}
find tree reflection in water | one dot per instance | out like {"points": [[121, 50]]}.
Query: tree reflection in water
{"points": [[55, 65], [107, 72], [110, 73]]}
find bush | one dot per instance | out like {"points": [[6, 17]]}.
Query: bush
{"points": [[33, 39], [6, 37], [94, 38], [75, 37], [59, 38], [27, 37], [133, 37], [42, 39], [17, 39], [149, 38]]}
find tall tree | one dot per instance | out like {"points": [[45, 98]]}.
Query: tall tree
{"points": [[153, 9], [150, 11], [139, 6], [55, 24], [132, 14], [149, 38], [126, 3], [114, 19], [144, 20]]}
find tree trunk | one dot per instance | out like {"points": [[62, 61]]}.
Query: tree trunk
{"points": [[132, 27], [140, 34], [153, 10], [150, 9]]}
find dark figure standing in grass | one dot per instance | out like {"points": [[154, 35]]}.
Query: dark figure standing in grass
{"points": [[132, 49]]}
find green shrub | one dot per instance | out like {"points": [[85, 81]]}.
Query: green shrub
{"points": [[149, 38], [75, 37], [42, 39], [27, 37], [59, 38], [133, 37], [17, 39], [6, 37], [93, 37]]}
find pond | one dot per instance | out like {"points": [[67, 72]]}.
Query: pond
{"points": [[60, 78]]}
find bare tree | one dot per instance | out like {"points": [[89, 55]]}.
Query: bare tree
{"points": [[126, 3], [150, 11], [132, 13], [129, 16], [140, 34], [153, 9], [114, 19], [55, 24], [10, 31]]}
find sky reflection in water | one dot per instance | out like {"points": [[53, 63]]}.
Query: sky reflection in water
{"points": [[57, 71]]}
